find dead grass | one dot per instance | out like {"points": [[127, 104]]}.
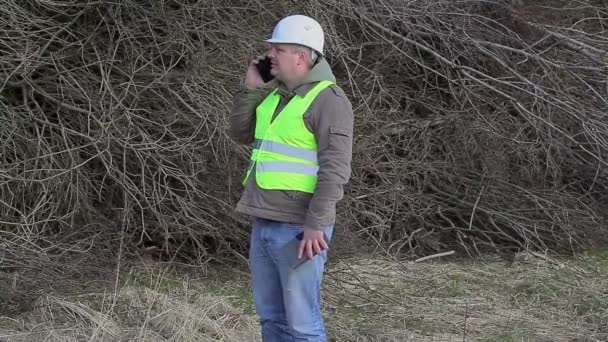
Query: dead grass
{"points": [[532, 299], [149, 306], [529, 299]]}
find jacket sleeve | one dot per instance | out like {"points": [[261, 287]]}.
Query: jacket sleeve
{"points": [[242, 114], [333, 128]]}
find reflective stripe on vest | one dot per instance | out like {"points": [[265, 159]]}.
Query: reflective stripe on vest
{"points": [[288, 150], [278, 166], [285, 151]]}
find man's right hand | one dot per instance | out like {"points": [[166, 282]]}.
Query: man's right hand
{"points": [[253, 79]]}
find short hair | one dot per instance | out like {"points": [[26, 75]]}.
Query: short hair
{"points": [[314, 55]]}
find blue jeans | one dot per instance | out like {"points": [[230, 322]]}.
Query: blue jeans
{"points": [[287, 300]]}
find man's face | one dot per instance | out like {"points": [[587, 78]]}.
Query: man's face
{"points": [[287, 62]]}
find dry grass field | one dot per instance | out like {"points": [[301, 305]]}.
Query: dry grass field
{"points": [[531, 298]]}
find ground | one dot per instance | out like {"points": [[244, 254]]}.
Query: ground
{"points": [[532, 298]]}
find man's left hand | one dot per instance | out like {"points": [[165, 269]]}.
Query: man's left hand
{"points": [[313, 243]]}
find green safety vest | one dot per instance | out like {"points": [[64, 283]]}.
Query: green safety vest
{"points": [[285, 151]]}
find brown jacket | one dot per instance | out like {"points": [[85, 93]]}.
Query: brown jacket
{"points": [[330, 118]]}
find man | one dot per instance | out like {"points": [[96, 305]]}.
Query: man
{"points": [[300, 125]]}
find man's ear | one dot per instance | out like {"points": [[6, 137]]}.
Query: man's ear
{"points": [[301, 58]]}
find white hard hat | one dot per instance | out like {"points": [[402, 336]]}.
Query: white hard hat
{"points": [[301, 30]]}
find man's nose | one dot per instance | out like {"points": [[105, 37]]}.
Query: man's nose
{"points": [[271, 52]]}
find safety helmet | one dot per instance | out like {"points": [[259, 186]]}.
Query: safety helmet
{"points": [[301, 30]]}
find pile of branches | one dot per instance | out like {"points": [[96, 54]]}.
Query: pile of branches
{"points": [[479, 124]]}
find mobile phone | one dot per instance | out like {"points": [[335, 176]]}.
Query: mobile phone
{"points": [[264, 67], [291, 250]]}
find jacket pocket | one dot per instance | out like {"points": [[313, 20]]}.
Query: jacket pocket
{"points": [[294, 195], [343, 131]]}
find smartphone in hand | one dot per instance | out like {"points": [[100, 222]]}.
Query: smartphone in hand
{"points": [[264, 67], [291, 250]]}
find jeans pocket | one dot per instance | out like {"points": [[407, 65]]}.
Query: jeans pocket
{"points": [[294, 227]]}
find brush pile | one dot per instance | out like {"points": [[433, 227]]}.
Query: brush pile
{"points": [[479, 124]]}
